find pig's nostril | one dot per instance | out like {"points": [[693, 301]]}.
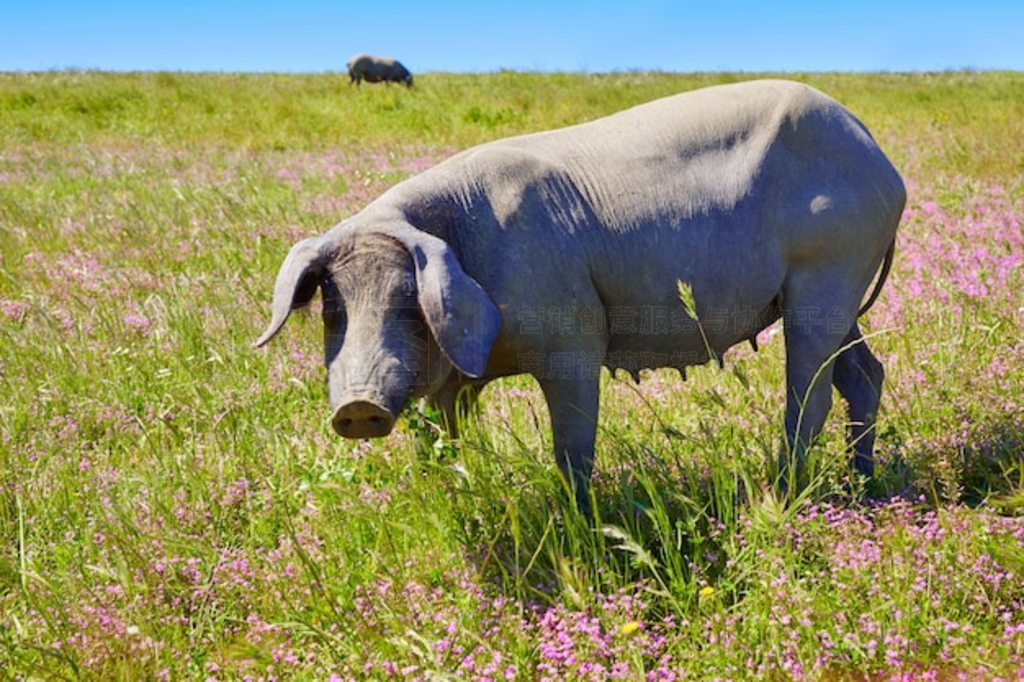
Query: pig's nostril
{"points": [[362, 419]]}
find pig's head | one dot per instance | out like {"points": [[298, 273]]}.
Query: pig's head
{"points": [[399, 313]]}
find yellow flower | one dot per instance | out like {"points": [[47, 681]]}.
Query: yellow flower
{"points": [[630, 627], [706, 591]]}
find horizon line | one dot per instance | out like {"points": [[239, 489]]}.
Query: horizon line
{"points": [[582, 72]]}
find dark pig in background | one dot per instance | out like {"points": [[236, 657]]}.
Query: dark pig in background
{"points": [[364, 67]]}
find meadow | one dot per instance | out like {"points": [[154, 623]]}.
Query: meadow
{"points": [[174, 505]]}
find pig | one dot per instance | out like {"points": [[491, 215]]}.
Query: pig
{"points": [[561, 252], [377, 70]]}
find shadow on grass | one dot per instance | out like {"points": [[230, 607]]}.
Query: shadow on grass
{"points": [[666, 521], [671, 520], [983, 465]]}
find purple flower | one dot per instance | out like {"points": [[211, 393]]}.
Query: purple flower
{"points": [[137, 322]]}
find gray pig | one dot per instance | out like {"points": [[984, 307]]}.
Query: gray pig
{"points": [[364, 67], [560, 252]]}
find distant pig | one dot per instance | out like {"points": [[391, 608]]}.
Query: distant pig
{"points": [[364, 67], [557, 253]]}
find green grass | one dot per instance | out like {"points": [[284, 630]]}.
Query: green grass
{"points": [[173, 503], [965, 117]]}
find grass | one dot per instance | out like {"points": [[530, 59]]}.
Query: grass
{"points": [[173, 504]]}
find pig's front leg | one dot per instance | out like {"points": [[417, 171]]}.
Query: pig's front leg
{"points": [[573, 405]]}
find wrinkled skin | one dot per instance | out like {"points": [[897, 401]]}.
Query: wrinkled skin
{"points": [[558, 253], [364, 67]]}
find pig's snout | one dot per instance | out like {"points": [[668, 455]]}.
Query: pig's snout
{"points": [[362, 419]]}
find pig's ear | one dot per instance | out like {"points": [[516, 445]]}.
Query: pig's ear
{"points": [[460, 314], [297, 281]]}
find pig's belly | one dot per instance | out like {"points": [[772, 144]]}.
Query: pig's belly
{"points": [[662, 334]]}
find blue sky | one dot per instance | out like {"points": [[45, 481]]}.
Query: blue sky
{"points": [[483, 35]]}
